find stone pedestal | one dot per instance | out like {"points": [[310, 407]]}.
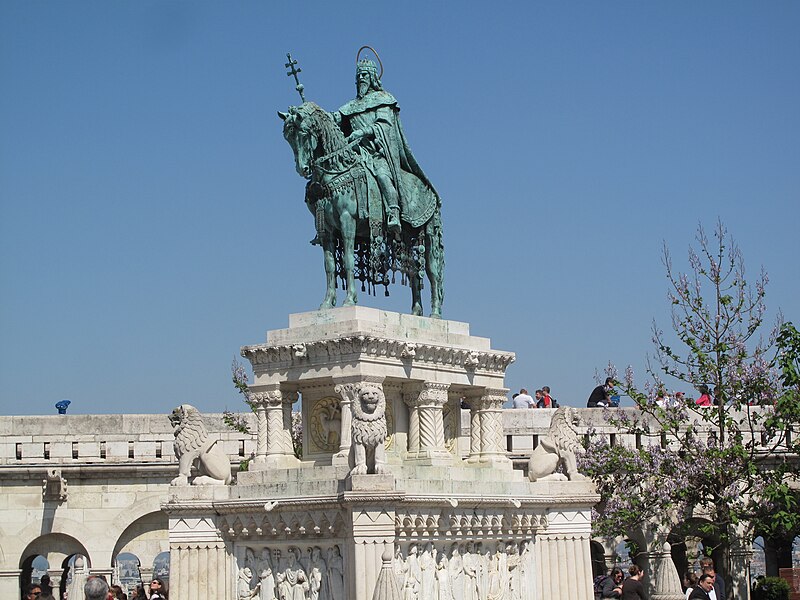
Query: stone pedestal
{"points": [[313, 529]]}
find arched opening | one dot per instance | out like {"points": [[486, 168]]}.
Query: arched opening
{"points": [[692, 540], [626, 553], [144, 539], [56, 549], [33, 568], [758, 564], [74, 573], [161, 568], [796, 552], [598, 555], [127, 572], [779, 552]]}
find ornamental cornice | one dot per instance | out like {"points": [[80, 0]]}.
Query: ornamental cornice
{"points": [[494, 361], [468, 522]]}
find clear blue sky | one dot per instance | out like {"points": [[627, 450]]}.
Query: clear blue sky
{"points": [[151, 221]]}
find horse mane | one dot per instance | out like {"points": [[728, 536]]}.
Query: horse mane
{"points": [[330, 136]]}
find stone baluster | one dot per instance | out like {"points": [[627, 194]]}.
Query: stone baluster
{"points": [[486, 423], [426, 426], [664, 581], [274, 413]]}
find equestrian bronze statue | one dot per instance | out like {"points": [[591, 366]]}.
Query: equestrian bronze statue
{"points": [[375, 211]]}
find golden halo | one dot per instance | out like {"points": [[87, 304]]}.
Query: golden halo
{"points": [[358, 56]]}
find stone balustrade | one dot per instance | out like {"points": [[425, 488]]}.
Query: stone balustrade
{"points": [[63, 440]]}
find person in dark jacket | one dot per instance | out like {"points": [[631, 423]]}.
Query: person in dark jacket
{"points": [[612, 586], [632, 588], [704, 585]]}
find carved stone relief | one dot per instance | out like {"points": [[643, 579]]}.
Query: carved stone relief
{"points": [[293, 573], [325, 423], [488, 570]]}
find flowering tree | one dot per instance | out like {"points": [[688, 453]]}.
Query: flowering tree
{"points": [[718, 460]]}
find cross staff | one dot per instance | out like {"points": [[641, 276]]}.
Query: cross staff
{"points": [[290, 65]]}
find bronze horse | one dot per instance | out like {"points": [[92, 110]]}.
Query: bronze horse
{"points": [[350, 219]]}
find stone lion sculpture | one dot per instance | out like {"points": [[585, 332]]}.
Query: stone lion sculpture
{"points": [[557, 447], [193, 447], [369, 431]]}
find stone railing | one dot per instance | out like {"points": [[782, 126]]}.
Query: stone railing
{"points": [[524, 427], [76, 440], [63, 440]]}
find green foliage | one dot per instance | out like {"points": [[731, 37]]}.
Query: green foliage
{"points": [[236, 422], [771, 588], [732, 474]]}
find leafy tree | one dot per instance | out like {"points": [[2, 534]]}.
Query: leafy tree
{"points": [[717, 460]]}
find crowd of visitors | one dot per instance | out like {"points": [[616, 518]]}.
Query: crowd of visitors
{"points": [[97, 588], [542, 399], [703, 585], [605, 395]]}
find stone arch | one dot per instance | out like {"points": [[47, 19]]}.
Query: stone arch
{"points": [[684, 535], [141, 508], [777, 551], [57, 549], [146, 537]]}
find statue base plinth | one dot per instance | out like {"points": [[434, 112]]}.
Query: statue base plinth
{"points": [[436, 500]]}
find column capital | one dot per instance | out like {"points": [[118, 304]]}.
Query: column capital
{"points": [[487, 398], [349, 387], [265, 395], [425, 393]]}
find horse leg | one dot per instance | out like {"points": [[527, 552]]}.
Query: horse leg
{"points": [[414, 282], [328, 247], [434, 264], [347, 225], [416, 295]]}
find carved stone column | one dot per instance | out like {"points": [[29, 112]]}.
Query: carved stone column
{"points": [[565, 566], [486, 435], [200, 564], [260, 400], [347, 388], [426, 426], [274, 413], [741, 555]]}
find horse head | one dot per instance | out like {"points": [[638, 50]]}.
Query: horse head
{"points": [[298, 131], [312, 133]]}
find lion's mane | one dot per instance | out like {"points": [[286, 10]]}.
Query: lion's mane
{"points": [[369, 429], [563, 432], [190, 431]]}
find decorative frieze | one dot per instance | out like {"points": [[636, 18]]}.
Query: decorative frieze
{"points": [[359, 346], [284, 525]]}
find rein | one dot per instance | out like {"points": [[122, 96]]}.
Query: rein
{"points": [[318, 162]]}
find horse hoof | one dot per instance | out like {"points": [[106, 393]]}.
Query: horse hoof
{"points": [[416, 310], [350, 302], [327, 304]]}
